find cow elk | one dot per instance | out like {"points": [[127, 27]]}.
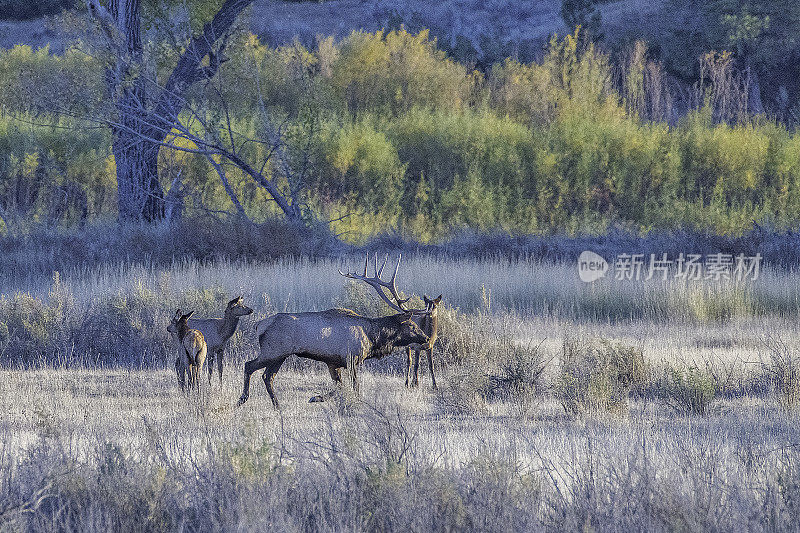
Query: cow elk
{"points": [[218, 331], [429, 324], [339, 338], [192, 348]]}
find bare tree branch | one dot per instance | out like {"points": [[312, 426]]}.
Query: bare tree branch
{"points": [[188, 70], [231, 193]]}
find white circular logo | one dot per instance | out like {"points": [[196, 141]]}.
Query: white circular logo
{"points": [[591, 266]]}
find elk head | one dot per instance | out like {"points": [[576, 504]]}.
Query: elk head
{"points": [[432, 304], [173, 324], [411, 333], [236, 308], [179, 324]]}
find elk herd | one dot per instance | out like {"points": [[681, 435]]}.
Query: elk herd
{"points": [[339, 338]]}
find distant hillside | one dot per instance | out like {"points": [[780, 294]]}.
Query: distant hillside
{"points": [[469, 29]]}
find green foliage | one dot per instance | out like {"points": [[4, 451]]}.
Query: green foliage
{"points": [[396, 71], [690, 390], [360, 165], [30, 329], [52, 178], [397, 136], [43, 82], [475, 165], [745, 29], [762, 34], [597, 375]]}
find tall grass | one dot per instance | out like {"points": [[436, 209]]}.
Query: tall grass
{"points": [[116, 313]]}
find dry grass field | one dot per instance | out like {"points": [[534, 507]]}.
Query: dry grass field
{"points": [[614, 406]]}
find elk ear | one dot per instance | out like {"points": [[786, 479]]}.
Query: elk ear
{"points": [[187, 316], [437, 300]]}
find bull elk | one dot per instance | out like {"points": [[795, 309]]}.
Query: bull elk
{"points": [[339, 338], [218, 331], [429, 323], [193, 349]]}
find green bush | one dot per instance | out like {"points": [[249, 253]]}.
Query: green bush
{"points": [[596, 375], [359, 164], [535, 92], [31, 330], [395, 71], [689, 390]]}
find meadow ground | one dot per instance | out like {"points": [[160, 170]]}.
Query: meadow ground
{"points": [[615, 406]]}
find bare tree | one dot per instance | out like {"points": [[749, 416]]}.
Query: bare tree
{"points": [[145, 112]]}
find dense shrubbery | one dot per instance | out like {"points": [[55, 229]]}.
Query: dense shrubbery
{"points": [[401, 137]]}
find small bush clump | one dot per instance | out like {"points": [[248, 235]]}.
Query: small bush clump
{"points": [[597, 375], [488, 366], [689, 390], [782, 372]]}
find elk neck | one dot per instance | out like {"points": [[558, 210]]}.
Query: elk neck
{"points": [[429, 323], [228, 326], [183, 329], [385, 331]]}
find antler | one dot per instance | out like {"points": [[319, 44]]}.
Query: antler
{"points": [[378, 284]]}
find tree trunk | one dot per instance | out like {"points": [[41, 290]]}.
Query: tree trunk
{"points": [[140, 196], [141, 123], [139, 193], [756, 107]]}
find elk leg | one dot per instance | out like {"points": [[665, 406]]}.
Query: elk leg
{"points": [[210, 367], [415, 379], [180, 370], [269, 374], [430, 366], [219, 365], [356, 388], [190, 372], [409, 362], [336, 376], [249, 368]]}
